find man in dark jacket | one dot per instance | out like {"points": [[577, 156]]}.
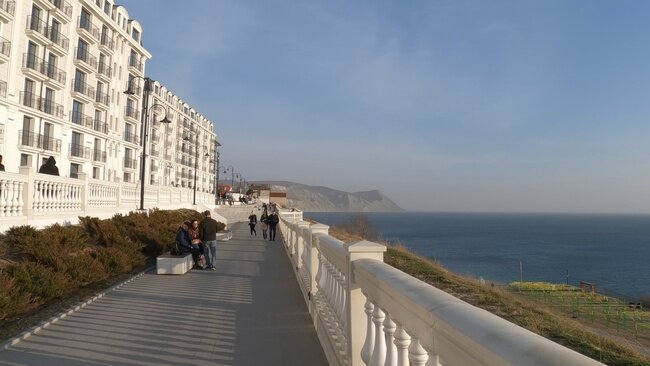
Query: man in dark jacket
{"points": [[273, 222], [49, 167], [208, 231]]}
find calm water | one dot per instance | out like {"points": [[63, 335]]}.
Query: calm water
{"points": [[611, 251]]}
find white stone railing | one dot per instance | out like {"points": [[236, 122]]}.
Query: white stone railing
{"points": [[366, 312], [29, 198]]}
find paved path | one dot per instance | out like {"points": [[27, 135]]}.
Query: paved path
{"points": [[248, 312]]}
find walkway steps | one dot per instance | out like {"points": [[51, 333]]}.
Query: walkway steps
{"points": [[248, 312]]}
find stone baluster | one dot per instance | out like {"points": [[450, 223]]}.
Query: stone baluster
{"points": [[302, 226], [402, 342], [21, 203], [417, 354], [379, 350], [391, 350], [12, 198], [47, 194], [3, 194], [369, 344]]}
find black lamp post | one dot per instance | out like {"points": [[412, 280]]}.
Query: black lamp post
{"points": [[196, 162], [144, 126], [216, 186]]}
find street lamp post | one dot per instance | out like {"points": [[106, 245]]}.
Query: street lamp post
{"points": [[196, 162], [144, 127], [216, 186]]}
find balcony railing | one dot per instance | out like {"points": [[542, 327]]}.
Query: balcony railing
{"points": [[102, 98], [130, 163], [80, 86], [86, 24], [42, 104], [36, 24], [37, 64], [82, 54], [81, 119], [99, 156], [58, 38], [136, 63], [107, 41], [8, 7], [79, 151], [5, 47], [63, 6], [132, 112], [100, 126], [36, 140], [104, 69], [131, 137]]}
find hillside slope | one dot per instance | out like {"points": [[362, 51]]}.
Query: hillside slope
{"points": [[323, 199]]}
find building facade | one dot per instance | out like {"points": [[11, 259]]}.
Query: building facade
{"points": [[64, 67]]}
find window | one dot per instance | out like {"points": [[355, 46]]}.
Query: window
{"points": [[74, 170], [77, 112], [48, 132], [82, 50], [54, 31], [107, 8], [76, 147], [49, 101], [85, 19], [135, 34], [25, 159], [52, 60], [95, 172]]}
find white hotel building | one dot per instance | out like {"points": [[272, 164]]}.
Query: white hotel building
{"points": [[64, 67]]}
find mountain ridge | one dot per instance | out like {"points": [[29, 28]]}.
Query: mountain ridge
{"points": [[325, 199]]}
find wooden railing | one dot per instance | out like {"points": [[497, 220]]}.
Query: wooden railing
{"points": [[367, 312]]}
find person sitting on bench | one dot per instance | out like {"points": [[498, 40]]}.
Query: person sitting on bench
{"points": [[183, 241]]}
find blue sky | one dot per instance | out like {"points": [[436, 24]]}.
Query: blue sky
{"points": [[506, 106]]}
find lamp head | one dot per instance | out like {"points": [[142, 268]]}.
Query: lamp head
{"points": [[129, 92], [166, 120]]}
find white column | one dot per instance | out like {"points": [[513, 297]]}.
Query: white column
{"points": [[355, 299]]}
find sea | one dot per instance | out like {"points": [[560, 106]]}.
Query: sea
{"points": [[611, 252]]}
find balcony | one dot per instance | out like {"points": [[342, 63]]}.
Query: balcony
{"points": [[42, 104], [60, 43], [38, 141], [81, 119], [131, 137], [100, 126], [7, 10], [79, 151], [83, 91], [134, 88], [136, 65], [37, 29], [99, 156], [104, 72], [45, 71], [132, 113], [84, 59], [106, 43], [130, 163], [3, 89], [5, 50], [63, 9], [102, 100], [87, 30]]}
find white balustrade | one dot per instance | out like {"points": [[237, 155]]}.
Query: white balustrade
{"points": [[369, 313]]}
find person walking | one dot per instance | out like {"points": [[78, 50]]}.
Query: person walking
{"points": [[208, 229], [273, 222], [264, 219], [252, 221]]}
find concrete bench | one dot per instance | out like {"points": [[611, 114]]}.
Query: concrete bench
{"points": [[224, 236], [173, 264]]}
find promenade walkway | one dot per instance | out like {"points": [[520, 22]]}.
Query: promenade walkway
{"points": [[248, 312]]}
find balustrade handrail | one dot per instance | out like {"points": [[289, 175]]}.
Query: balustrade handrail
{"points": [[376, 314], [58, 38], [63, 6], [36, 24]]}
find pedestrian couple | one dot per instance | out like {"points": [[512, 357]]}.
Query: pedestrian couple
{"points": [[269, 223], [199, 240]]}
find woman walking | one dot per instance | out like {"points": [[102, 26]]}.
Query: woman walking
{"points": [[252, 221]]}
